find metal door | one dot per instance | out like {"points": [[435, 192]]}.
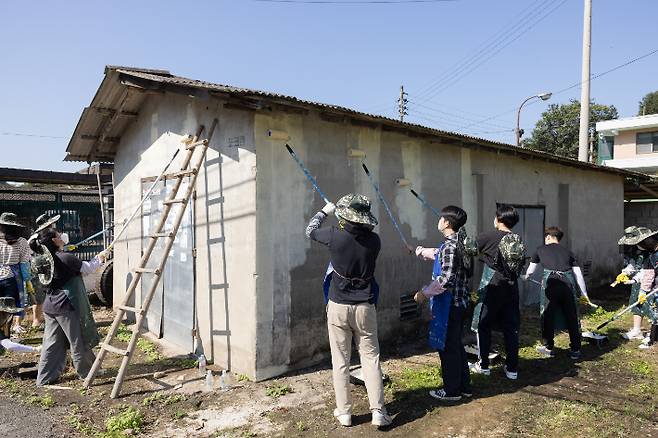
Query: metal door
{"points": [[531, 230]]}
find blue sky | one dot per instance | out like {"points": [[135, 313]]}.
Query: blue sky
{"points": [[346, 54]]}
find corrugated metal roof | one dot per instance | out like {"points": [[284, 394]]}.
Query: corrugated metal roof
{"points": [[111, 92]]}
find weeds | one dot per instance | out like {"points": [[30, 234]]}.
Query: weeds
{"points": [[123, 333], [128, 418], [149, 349], [163, 399], [46, 401], [277, 391]]}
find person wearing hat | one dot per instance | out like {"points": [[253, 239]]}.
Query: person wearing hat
{"points": [[14, 256], [7, 311], [69, 321], [634, 259], [351, 294], [39, 295], [648, 241]]}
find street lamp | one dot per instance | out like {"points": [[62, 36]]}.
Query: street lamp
{"points": [[519, 131]]}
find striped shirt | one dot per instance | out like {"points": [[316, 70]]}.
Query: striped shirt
{"points": [[12, 254]]}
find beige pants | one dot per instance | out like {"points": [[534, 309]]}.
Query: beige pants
{"points": [[358, 321]]}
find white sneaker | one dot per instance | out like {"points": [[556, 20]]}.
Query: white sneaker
{"points": [[645, 346], [633, 334], [476, 368], [380, 418], [512, 375], [343, 419], [645, 340]]}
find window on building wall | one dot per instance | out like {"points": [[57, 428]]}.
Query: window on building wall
{"points": [[647, 142]]}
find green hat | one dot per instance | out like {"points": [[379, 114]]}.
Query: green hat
{"points": [[8, 305], [10, 219], [634, 235], [355, 208]]}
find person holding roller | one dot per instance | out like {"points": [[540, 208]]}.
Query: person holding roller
{"points": [[351, 295]]}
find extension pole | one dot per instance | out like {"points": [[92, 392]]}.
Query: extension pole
{"points": [[312, 180], [589, 303], [425, 203], [388, 210], [585, 82]]}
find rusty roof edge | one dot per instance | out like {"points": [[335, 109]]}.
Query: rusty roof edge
{"points": [[164, 76]]}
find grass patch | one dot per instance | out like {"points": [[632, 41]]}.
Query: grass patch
{"points": [[243, 378], [163, 399], [179, 414], [46, 401], [124, 333], [641, 368], [647, 389], [277, 391], [127, 418], [9, 385], [300, 426], [149, 349], [427, 377]]}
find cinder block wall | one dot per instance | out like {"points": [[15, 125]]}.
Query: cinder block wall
{"points": [[641, 213]]}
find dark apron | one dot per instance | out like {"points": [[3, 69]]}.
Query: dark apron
{"points": [[374, 287], [76, 293], [487, 275], [559, 318]]}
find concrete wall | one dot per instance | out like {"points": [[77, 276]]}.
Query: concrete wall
{"points": [[224, 215], [643, 214], [291, 328]]}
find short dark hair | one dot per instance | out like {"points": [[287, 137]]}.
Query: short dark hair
{"points": [[554, 232], [507, 215], [455, 216]]}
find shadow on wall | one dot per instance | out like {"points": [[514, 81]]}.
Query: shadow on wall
{"points": [[216, 201]]}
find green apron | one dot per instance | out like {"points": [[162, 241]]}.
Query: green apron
{"points": [[77, 294], [635, 288], [487, 275], [560, 320]]}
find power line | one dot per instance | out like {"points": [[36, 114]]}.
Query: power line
{"points": [[475, 63], [613, 69], [453, 116], [523, 16], [22, 134], [355, 2]]}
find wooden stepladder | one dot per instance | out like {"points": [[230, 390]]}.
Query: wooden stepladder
{"points": [[194, 148]]}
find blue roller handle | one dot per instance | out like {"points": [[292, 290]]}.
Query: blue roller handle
{"points": [[388, 210], [425, 203], [308, 174]]}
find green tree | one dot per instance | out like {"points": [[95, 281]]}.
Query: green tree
{"points": [[649, 104], [557, 130]]}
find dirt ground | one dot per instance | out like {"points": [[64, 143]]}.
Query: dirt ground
{"points": [[611, 392]]}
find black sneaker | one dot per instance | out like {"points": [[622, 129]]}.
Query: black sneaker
{"points": [[467, 394], [440, 394], [575, 355]]}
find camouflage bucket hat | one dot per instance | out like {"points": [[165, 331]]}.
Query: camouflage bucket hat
{"points": [[629, 233], [355, 208], [10, 219], [637, 235]]}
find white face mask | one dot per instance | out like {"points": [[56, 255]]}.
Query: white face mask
{"points": [[65, 238]]}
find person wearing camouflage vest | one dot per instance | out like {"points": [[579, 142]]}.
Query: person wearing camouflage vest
{"points": [[498, 294]]}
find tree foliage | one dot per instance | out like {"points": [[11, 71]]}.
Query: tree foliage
{"points": [[557, 130], [649, 104]]}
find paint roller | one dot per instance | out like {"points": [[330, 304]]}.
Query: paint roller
{"points": [[588, 302], [283, 136], [625, 310], [387, 208]]}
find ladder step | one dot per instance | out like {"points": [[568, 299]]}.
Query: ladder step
{"points": [[196, 143], [164, 234], [155, 271], [134, 310], [115, 350], [181, 173], [175, 201]]}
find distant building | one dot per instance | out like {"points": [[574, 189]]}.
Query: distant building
{"points": [[630, 143]]}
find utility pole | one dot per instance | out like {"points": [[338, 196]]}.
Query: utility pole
{"points": [[402, 103], [585, 79]]}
